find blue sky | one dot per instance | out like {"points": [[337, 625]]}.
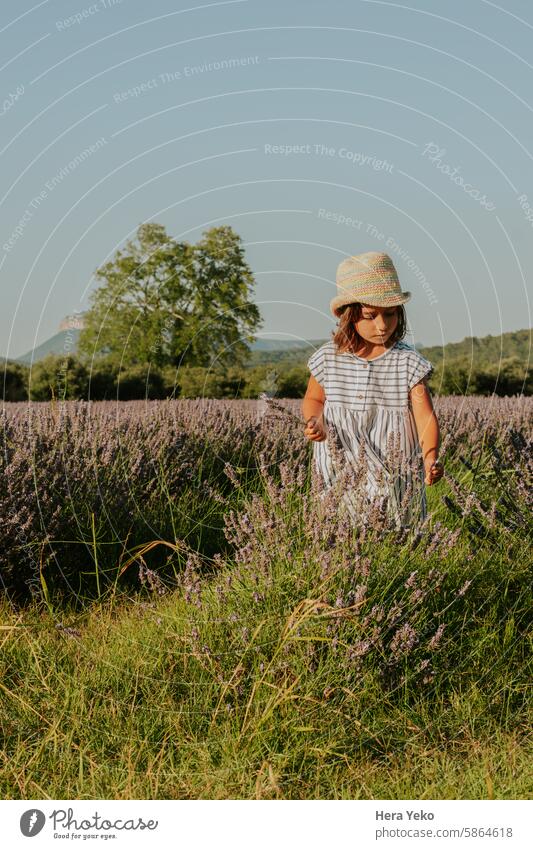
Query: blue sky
{"points": [[317, 130]]}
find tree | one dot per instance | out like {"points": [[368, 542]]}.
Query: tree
{"points": [[506, 376], [101, 384], [165, 302], [199, 382], [139, 382], [15, 382], [293, 383], [60, 377]]}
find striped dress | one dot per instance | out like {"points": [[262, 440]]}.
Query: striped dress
{"points": [[367, 408]]}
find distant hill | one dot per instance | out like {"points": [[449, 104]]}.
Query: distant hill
{"points": [[482, 352], [486, 350], [278, 344], [286, 353], [65, 342]]}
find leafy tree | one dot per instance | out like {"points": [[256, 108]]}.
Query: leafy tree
{"points": [[263, 378], [15, 382], [293, 383], [507, 376], [165, 302], [102, 382], [60, 377], [482, 352], [139, 382], [199, 382], [276, 380]]}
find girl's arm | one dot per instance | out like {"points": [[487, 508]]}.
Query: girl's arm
{"points": [[313, 405], [428, 431]]}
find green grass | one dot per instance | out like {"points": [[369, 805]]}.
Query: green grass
{"points": [[93, 718], [259, 703]]}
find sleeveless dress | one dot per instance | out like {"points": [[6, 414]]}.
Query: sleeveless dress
{"points": [[367, 408]]}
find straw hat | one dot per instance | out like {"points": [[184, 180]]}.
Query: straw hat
{"points": [[368, 278]]}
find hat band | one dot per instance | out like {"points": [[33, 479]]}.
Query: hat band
{"points": [[367, 276], [374, 294], [370, 283]]}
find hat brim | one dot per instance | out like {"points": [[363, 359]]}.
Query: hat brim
{"points": [[391, 301]]}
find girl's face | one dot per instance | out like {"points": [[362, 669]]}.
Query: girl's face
{"points": [[377, 324]]}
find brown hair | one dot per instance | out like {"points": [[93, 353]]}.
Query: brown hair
{"points": [[346, 337]]}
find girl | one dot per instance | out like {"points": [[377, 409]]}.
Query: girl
{"points": [[369, 387]]}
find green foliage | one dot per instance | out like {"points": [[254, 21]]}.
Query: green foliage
{"points": [[483, 352], [164, 302], [67, 378], [284, 358], [102, 382], [15, 381], [508, 376], [293, 383], [260, 379], [276, 381], [60, 377], [198, 382], [139, 382]]}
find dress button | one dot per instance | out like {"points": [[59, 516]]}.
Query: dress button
{"points": [[359, 396]]}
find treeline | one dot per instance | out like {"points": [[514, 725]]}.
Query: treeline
{"points": [[487, 365], [67, 378], [483, 351], [507, 376]]}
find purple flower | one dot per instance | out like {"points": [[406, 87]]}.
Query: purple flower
{"points": [[436, 638], [403, 640], [360, 593], [360, 648], [464, 588]]}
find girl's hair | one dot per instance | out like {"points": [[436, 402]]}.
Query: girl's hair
{"points": [[346, 337]]}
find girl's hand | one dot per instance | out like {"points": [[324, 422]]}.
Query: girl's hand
{"points": [[434, 471], [315, 430]]}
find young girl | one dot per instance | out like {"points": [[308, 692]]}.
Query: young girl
{"points": [[369, 387]]}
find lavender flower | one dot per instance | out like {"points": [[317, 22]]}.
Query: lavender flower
{"points": [[66, 629], [230, 472], [151, 579], [464, 588], [436, 638], [403, 640]]}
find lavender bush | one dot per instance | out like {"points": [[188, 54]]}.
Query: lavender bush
{"points": [[84, 483]]}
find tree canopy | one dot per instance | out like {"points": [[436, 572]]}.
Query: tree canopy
{"points": [[166, 302]]}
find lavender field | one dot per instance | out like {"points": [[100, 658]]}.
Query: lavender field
{"points": [[183, 617]]}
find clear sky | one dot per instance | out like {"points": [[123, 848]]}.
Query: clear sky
{"points": [[316, 130]]}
